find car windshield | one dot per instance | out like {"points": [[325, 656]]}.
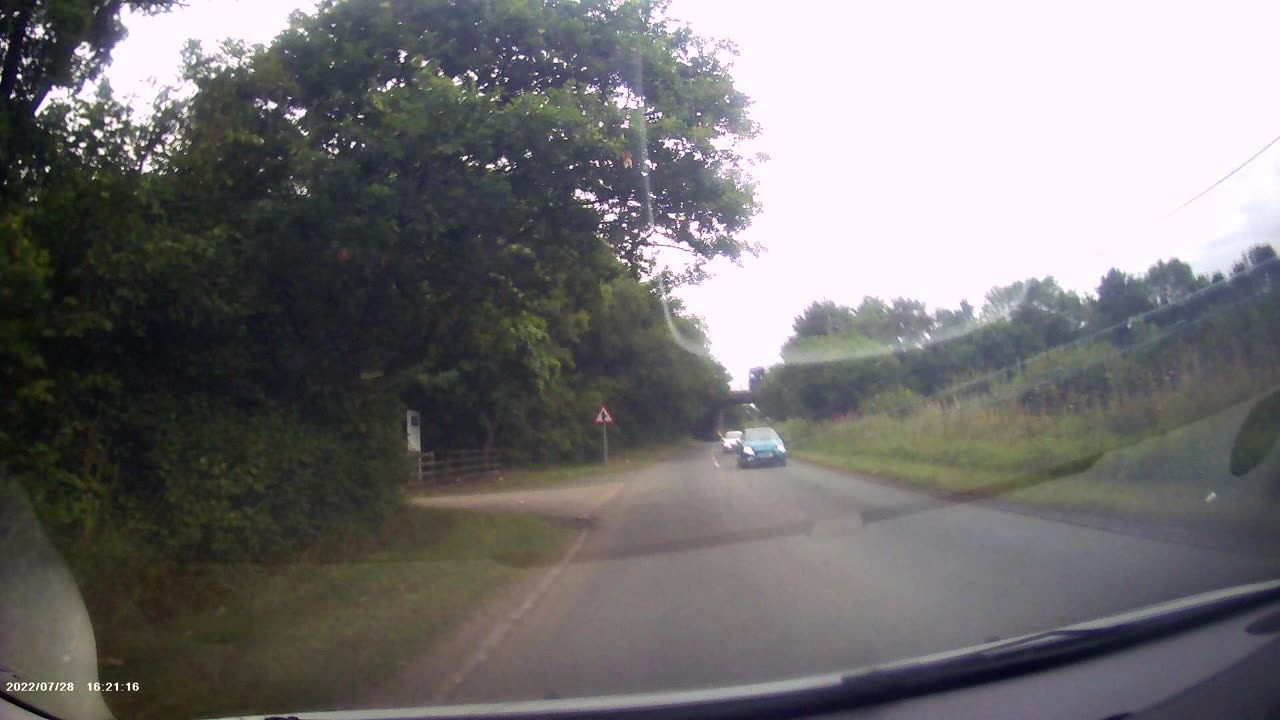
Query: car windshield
{"points": [[757, 434], [382, 353]]}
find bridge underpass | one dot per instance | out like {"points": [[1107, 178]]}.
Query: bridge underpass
{"points": [[713, 425]]}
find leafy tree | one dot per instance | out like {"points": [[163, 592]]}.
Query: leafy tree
{"points": [[1001, 301], [948, 323], [1120, 297], [828, 389], [422, 200], [1049, 347], [656, 386], [498, 368], [1256, 271], [909, 320], [823, 318], [48, 45], [1050, 313], [827, 348], [1255, 256], [872, 320], [1170, 282], [569, 90]]}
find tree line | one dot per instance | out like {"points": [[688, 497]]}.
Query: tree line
{"points": [[1050, 348], [214, 311]]}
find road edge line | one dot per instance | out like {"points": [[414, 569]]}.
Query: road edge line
{"points": [[495, 636]]}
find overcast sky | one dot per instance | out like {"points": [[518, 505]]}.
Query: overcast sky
{"points": [[934, 149]]}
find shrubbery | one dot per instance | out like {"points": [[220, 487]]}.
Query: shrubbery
{"points": [[214, 314], [241, 484], [1047, 350]]}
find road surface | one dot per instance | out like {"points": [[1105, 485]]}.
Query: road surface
{"points": [[697, 574]]}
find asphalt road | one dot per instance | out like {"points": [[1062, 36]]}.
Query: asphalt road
{"points": [[698, 574]]}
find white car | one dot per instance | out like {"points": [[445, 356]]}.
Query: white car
{"points": [[731, 441]]}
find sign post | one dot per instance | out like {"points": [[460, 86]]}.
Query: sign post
{"points": [[413, 430], [604, 420], [413, 437]]}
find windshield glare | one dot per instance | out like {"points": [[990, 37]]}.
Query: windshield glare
{"points": [[379, 354]]}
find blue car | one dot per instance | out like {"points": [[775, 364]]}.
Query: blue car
{"points": [[761, 446]]}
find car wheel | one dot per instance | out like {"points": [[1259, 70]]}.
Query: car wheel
{"points": [[782, 462]]}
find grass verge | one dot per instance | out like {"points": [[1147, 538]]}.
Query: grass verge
{"points": [[934, 476], [624, 460], [1134, 463], [320, 632], [1082, 494]]}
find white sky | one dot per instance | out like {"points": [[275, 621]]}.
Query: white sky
{"points": [[934, 149]]}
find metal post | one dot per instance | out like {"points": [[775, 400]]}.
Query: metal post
{"points": [[604, 433]]}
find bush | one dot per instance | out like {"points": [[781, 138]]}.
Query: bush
{"points": [[239, 484], [897, 401], [796, 431]]}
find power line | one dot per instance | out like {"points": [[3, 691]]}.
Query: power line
{"points": [[1224, 178], [1152, 224]]}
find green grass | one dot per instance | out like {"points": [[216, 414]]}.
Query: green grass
{"points": [[1091, 494], [323, 631], [624, 460], [1155, 457], [957, 450], [1082, 492], [933, 475]]}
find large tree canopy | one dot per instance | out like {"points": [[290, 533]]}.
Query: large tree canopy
{"points": [[446, 152], [446, 205], [601, 105], [47, 45]]}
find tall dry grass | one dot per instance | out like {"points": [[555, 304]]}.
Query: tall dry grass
{"points": [[1004, 435]]}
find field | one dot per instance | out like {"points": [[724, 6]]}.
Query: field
{"points": [[320, 631], [1163, 455]]}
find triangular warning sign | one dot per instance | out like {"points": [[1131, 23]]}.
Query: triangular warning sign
{"points": [[603, 417]]}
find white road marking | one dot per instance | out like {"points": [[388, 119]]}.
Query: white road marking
{"points": [[504, 625]]}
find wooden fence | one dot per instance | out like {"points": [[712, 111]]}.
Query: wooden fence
{"points": [[453, 466]]}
